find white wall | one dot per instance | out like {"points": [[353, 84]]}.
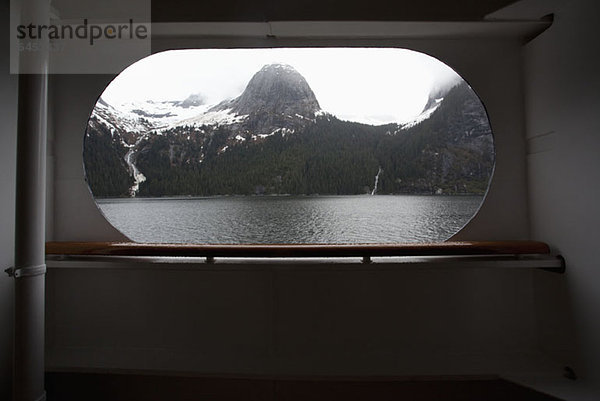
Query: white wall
{"points": [[76, 216], [8, 150], [562, 86]]}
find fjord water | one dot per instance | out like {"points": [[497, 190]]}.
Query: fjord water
{"points": [[291, 219]]}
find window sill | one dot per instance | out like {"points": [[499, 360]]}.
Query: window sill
{"points": [[298, 251], [497, 254]]}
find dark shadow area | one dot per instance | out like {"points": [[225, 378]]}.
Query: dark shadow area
{"points": [[117, 387], [329, 10]]}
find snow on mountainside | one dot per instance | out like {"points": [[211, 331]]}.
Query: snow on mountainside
{"points": [[118, 120], [141, 117], [277, 98], [425, 114], [210, 116]]}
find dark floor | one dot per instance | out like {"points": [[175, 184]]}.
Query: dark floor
{"points": [[121, 387]]}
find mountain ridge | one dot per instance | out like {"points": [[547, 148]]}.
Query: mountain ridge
{"points": [[275, 139]]}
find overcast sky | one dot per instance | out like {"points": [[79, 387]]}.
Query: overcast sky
{"points": [[374, 86]]}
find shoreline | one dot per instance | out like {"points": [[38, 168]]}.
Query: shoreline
{"points": [[193, 197]]}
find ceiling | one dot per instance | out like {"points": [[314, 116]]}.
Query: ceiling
{"points": [[323, 10]]}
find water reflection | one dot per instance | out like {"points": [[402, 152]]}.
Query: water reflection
{"points": [[291, 220]]}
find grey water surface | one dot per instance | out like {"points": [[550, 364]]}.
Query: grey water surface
{"points": [[291, 219]]}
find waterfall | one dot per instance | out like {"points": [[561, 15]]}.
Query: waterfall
{"points": [[137, 175], [376, 181]]}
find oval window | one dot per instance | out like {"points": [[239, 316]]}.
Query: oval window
{"points": [[303, 145]]}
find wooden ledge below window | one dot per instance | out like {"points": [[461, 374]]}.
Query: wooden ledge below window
{"points": [[463, 248], [444, 255]]}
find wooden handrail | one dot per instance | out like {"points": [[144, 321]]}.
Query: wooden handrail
{"points": [[297, 251]]}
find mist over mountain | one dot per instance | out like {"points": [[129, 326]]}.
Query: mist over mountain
{"points": [[275, 139], [193, 100]]}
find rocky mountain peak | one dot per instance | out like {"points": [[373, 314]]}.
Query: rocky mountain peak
{"points": [[277, 89]]}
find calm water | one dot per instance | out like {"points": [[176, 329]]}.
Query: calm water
{"points": [[293, 219]]}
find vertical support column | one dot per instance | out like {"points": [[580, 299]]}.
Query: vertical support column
{"points": [[30, 268], [29, 271]]}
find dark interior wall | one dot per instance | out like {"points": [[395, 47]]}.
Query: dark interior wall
{"points": [[8, 142], [273, 320], [289, 10], [278, 320], [322, 10], [563, 129]]}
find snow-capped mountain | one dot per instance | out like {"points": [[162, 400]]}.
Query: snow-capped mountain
{"points": [[142, 117], [277, 99], [274, 138], [276, 89], [119, 120]]}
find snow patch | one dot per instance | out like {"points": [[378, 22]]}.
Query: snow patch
{"points": [[144, 116], [226, 116], [423, 116]]}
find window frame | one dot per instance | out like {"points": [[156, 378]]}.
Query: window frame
{"points": [[168, 36]]}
